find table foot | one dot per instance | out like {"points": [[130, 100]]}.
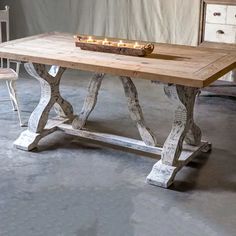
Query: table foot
{"points": [[27, 141], [162, 175]]}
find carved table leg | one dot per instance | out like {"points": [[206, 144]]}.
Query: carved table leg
{"points": [[61, 107], [183, 130], [136, 113], [50, 96], [90, 101]]}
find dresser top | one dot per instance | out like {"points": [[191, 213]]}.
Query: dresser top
{"points": [[221, 2], [183, 65], [231, 48]]}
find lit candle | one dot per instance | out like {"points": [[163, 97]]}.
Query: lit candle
{"points": [[90, 40], [105, 42], [121, 44], [136, 45]]}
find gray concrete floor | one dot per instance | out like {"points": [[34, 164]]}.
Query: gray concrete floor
{"points": [[70, 187]]}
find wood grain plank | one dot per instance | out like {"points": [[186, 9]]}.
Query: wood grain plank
{"points": [[178, 64]]}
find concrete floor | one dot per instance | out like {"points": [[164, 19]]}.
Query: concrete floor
{"points": [[70, 187]]}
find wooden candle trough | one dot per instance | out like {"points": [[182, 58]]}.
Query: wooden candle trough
{"points": [[120, 47]]}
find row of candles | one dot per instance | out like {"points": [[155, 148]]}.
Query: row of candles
{"points": [[119, 44]]}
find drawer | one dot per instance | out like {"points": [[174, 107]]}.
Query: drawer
{"points": [[231, 15], [216, 14], [220, 33]]}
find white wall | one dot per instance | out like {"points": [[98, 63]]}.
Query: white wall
{"points": [[174, 21]]}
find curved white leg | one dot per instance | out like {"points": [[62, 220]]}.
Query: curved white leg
{"points": [[61, 107], [14, 98], [136, 113], [90, 101], [11, 94], [183, 129], [50, 95]]}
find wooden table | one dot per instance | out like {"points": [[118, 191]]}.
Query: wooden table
{"points": [[182, 69]]}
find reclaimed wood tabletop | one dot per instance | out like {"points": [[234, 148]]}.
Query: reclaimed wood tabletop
{"points": [[175, 64]]}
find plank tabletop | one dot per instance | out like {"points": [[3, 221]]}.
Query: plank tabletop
{"points": [[182, 65]]}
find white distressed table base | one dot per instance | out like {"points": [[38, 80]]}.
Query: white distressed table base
{"points": [[162, 175], [38, 125], [181, 146]]}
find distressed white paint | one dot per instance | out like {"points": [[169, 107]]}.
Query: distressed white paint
{"points": [[50, 96], [163, 175], [183, 143], [133, 105], [90, 101], [183, 130], [136, 113], [111, 139]]}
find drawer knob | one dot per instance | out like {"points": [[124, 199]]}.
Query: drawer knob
{"points": [[220, 32], [216, 14]]}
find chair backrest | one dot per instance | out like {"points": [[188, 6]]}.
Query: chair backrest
{"points": [[4, 29], [4, 19]]}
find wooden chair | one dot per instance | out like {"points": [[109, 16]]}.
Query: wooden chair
{"points": [[6, 73]]}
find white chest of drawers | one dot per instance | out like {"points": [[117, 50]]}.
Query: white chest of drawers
{"points": [[218, 25]]}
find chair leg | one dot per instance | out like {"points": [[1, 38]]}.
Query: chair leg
{"points": [[14, 99], [11, 94]]}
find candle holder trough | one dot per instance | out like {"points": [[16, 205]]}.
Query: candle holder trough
{"points": [[109, 46]]}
